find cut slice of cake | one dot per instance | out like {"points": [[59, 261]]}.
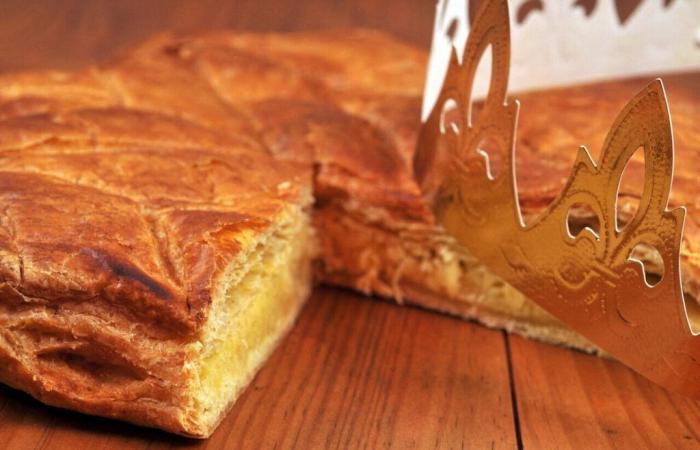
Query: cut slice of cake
{"points": [[143, 280]]}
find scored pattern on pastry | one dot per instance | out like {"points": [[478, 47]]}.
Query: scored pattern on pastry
{"points": [[156, 237], [592, 281]]}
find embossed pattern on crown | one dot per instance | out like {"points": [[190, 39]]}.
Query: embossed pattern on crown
{"points": [[591, 281]]}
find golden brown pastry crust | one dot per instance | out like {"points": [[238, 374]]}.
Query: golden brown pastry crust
{"points": [[125, 185], [111, 242]]}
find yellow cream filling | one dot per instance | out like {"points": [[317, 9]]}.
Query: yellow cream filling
{"points": [[461, 276], [251, 315], [503, 298]]}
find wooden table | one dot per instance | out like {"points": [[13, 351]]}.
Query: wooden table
{"points": [[361, 373], [354, 372]]}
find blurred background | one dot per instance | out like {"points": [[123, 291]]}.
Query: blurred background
{"points": [[72, 33]]}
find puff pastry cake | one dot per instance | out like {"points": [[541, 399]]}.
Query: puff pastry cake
{"points": [[149, 266], [158, 233]]}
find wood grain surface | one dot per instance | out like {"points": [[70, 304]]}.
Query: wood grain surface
{"points": [[566, 399], [354, 372], [73, 33]]}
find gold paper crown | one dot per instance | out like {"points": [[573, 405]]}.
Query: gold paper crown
{"points": [[591, 281]]}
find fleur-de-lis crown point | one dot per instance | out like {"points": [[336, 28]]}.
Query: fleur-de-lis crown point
{"points": [[592, 281]]}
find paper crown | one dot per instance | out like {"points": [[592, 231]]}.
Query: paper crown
{"points": [[591, 282]]}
